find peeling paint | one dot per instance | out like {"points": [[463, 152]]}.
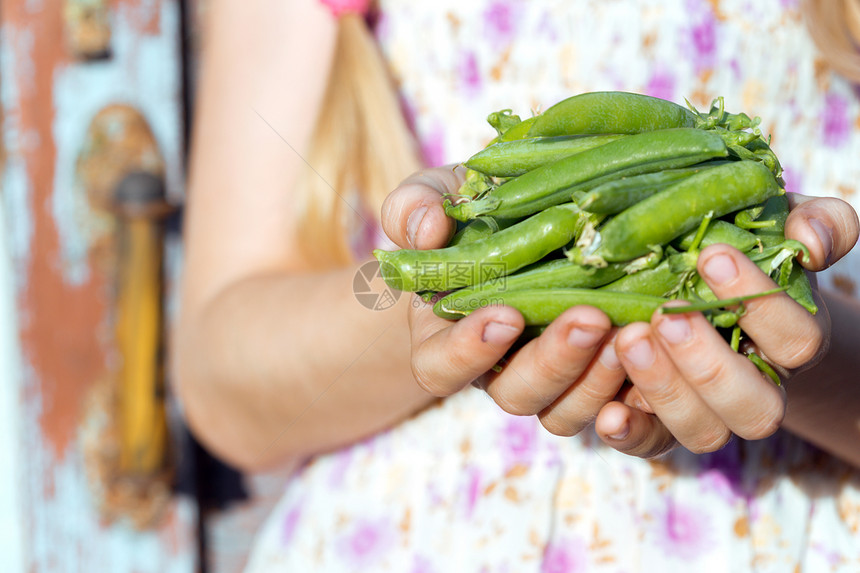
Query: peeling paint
{"points": [[147, 81], [63, 299]]}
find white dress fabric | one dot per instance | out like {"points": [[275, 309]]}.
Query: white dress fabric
{"points": [[462, 486]]}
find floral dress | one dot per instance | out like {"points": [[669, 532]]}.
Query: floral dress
{"points": [[463, 486]]}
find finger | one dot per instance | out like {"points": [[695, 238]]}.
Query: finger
{"points": [[412, 215], [678, 406], [747, 402], [632, 431], [580, 403], [827, 226], [447, 356], [545, 367], [789, 334]]}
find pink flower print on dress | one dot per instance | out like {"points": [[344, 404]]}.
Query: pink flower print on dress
{"points": [[661, 85], [499, 18], [473, 490], [433, 147], [470, 75], [519, 440], [834, 120], [682, 531], [366, 541], [793, 180], [703, 35], [421, 564], [564, 556], [291, 520]]}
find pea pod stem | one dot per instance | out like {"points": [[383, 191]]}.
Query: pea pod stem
{"points": [[719, 303]]}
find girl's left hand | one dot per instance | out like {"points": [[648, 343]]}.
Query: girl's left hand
{"points": [[690, 387]]}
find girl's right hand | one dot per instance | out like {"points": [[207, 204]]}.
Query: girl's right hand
{"points": [[565, 376]]}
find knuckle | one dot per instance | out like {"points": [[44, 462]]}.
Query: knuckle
{"points": [[426, 381], [512, 405], [562, 423], [648, 447], [764, 426], [711, 441], [802, 350], [708, 374], [549, 367], [558, 426]]}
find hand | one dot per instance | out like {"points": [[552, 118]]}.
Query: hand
{"points": [[689, 384], [565, 376]]}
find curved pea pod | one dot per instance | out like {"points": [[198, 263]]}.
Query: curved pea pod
{"points": [[558, 273], [554, 183], [479, 229], [513, 158], [468, 264], [539, 307], [720, 232], [662, 217], [660, 281], [611, 112], [615, 196], [518, 131]]}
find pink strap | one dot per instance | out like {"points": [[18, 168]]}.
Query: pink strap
{"points": [[340, 7]]}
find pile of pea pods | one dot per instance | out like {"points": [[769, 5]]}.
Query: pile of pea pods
{"points": [[606, 199]]}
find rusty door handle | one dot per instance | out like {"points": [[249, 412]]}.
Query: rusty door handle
{"points": [[140, 207]]}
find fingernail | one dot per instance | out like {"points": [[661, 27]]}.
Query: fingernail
{"points": [[499, 333], [641, 354], [825, 235], [675, 329], [413, 223], [720, 269], [621, 433], [609, 358], [584, 338]]}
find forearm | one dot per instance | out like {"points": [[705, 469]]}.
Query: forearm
{"points": [[285, 366], [824, 402]]}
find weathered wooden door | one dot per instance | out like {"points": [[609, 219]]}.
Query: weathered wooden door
{"points": [[90, 91]]}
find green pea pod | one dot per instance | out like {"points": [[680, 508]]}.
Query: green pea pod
{"points": [[557, 273], [749, 218], [554, 183], [518, 131], [800, 289], [615, 196], [611, 112], [540, 307], [513, 158], [679, 209], [775, 210], [720, 232], [479, 229], [468, 264], [660, 281]]}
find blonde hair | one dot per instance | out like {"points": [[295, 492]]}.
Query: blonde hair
{"points": [[362, 147], [835, 28]]}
